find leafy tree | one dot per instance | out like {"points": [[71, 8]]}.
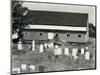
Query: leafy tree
{"points": [[18, 22], [92, 30]]}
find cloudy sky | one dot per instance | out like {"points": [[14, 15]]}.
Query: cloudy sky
{"points": [[62, 8]]}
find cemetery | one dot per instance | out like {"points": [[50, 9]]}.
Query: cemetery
{"points": [[52, 40], [48, 57]]}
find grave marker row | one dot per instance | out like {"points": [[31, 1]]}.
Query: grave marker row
{"points": [[58, 51], [24, 67]]}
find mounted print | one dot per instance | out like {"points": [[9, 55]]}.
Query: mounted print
{"points": [[52, 37]]}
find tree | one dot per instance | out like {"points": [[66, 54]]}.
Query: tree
{"points": [[92, 30], [18, 21]]}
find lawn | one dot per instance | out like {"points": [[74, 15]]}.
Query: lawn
{"points": [[51, 63]]}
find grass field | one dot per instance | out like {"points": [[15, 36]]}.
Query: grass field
{"points": [[50, 62]]}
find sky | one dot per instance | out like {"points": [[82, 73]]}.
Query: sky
{"points": [[63, 8]]}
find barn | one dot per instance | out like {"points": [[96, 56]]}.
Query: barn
{"points": [[69, 26]]}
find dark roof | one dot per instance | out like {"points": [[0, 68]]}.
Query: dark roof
{"points": [[59, 18]]}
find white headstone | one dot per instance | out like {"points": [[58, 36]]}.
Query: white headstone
{"points": [[32, 67], [75, 57], [14, 36], [16, 70], [56, 46], [82, 50], [57, 51], [86, 48], [45, 45], [87, 55], [49, 45], [66, 51], [52, 44], [17, 30], [33, 45], [23, 66], [50, 36], [19, 45], [41, 48], [74, 51]]}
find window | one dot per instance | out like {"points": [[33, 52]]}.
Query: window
{"points": [[40, 34], [57, 34], [79, 36], [68, 35]]}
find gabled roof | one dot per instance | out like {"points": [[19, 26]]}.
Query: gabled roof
{"points": [[59, 18]]}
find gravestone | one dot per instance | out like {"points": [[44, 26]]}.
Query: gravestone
{"points": [[14, 36], [86, 48], [82, 50], [33, 45], [41, 68], [87, 55], [30, 46], [32, 68], [56, 46], [19, 45], [23, 67], [41, 48], [52, 44], [66, 51], [49, 45], [45, 45], [16, 70], [50, 36], [74, 51], [75, 57], [57, 51]]}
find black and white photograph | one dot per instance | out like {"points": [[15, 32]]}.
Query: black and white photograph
{"points": [[52, 37]]}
